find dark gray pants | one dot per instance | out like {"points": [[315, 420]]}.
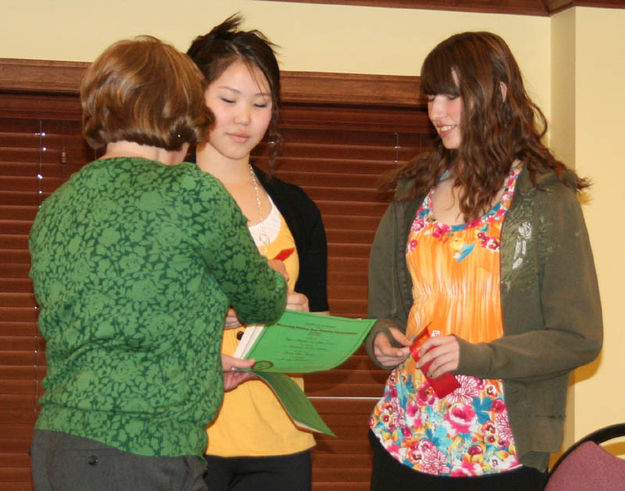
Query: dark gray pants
{"points": [[63, 462]]}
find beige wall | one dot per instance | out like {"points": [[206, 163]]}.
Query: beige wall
{"points": [[325, 38], [599, 131], [588, 103], [562, 130], [572, 62]]}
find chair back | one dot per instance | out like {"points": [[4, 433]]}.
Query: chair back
{"points": [[588, 466]]}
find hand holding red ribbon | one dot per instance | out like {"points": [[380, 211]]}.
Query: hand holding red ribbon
{"points": [[443, 385]]}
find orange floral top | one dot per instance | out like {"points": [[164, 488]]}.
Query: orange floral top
{"points": [[455, 276]]}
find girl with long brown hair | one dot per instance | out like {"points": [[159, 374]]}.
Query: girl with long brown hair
{"points": [[482, 278]]}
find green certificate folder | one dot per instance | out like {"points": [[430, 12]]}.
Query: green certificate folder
{"points": [[295, 402], [301, 342]]}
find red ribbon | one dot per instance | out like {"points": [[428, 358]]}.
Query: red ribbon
{"points": [[284, 253], [443, 385]]}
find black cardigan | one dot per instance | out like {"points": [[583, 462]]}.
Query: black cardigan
{"points": [[304, 220]]}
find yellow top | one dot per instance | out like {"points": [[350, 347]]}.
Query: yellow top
{"points": [[251, 421]]}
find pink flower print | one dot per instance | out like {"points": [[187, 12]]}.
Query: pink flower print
{"points": [[502, 425], [469, 388], [439, 231], [460, 418], [498, 405], [392, 448], [426, 395], [392, 378], [406, 432], [397, 415], [432, 460], [412, 444], [412, 408], [489, 243], [507, 461], [502, 443], [493, 244], [488, 428], [474, 223], [417, 225], [412, 245], [411, 447], [475, 450], [467, 469]]}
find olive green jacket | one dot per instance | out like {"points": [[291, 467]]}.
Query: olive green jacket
{"points": [[550, 306]]}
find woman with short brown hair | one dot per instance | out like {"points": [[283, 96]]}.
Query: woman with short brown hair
{"points": [[135, 261], [144, 91]]}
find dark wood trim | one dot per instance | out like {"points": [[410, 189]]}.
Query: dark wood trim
{"points": [[555, 6], [351, 88], [63, 78], [40, 76], [517, 7]]}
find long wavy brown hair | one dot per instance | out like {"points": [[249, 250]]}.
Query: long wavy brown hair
{"points": [[496, 129]]}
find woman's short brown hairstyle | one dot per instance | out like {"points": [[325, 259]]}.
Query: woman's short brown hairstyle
{"points": [[144, 91]]}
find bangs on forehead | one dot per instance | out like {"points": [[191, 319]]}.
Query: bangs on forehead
{"points": [[437, 75], [258, 75]]}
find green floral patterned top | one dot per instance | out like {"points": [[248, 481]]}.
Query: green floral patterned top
{"points": [[134, 264]]}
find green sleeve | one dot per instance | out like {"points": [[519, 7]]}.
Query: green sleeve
{"points": [[385, 295], [254, 290]]}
